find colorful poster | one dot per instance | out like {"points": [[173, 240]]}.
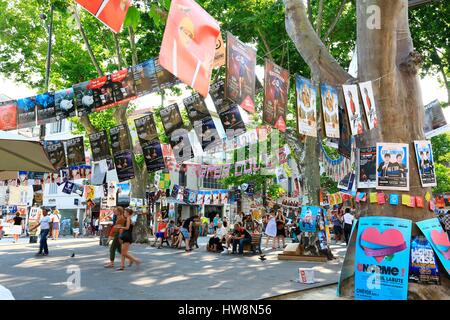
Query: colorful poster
{"points": [[75, 152], [232, 120], [99, 146], [111, 12], [369, 104], [55, 153], [392, 166], [240, 77], [79, 172], [45, 108], [382, 258], [367, 167], [85, 98], [146, 129], [145, 78], [201, 198], [330, 109], [353, 108], [102, 92], [438, 238], [171, 118], [119, 138], [153, 156], [434, 123], [189, 44], [106, 216], [64, 104], [8, 115], [68, 187], [425, 163], [345, 140], [423, 267], [123, 161], [26, 112], [276, 86], [306, 107], [217, 93], [308, 218], [122, 84], [181, 145]]}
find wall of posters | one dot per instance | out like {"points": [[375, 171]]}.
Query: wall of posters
{"points": [[423, 267], [392, 166], [26, 112], [306, 107], [369, 104], [434, 123], [308, 218], [382, 258], [119, 138], [438, 238], [353, 108], [240, 75], [56, 154], [84, 97], [171, 118], [181, 145], [425, 163], [367, 167], [276, 86], [330, 110], [64, 104], [75, 151], [8, 115], [145, 78], [99, 146], [45, 108], [123, 161]]}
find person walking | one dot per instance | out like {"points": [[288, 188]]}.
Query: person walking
{"points": [[56, 220], [126, 238], [17, 227], [76, 228], [271, 229], [348, 222], [118, 221], [44, 223], [186, 230]]}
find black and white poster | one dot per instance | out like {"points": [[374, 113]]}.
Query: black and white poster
{"points": [[171, 118], [75, 151], [26, 112], [145, 78], [123, 161], [434, 122], [120, 140], [99, 146], [85, 98], [56, 154], [64, 104], [425, 163], [217, 93], [146, 129], [45, 108], [367, 167]]}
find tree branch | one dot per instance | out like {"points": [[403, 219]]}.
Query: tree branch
{"points": [[134, 56], [87, 124], [118, 51], [310, 47], [319, 18], [336, 20], [266, 45], [308, 3]]}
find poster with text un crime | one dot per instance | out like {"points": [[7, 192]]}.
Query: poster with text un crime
{"points": [[382, 258]]}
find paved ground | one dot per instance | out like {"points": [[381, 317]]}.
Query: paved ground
{"points": [[165, 273]]}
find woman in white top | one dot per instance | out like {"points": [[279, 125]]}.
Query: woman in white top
{"points": [[271, 229], [56, 219], [348, 222]]}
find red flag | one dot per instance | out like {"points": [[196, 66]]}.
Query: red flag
{"points": [[189, 44], [111, 12]]}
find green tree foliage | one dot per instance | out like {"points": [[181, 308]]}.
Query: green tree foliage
{"points": [[441, 152]]}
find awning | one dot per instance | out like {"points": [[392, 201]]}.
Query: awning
{"points": [[23, 155]]}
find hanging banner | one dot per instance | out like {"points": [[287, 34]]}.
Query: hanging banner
{"points": [[122, 84], [423, 267], [382, 258], [345, 140], [425, 163], [367, 167], [45, 108], [102, 92], [111, 12], [146, 129], [438, 238], [85, 98], [308, 218], [353, 108], [240, 73], [123, 161], [8, 115], [145, 78], [55, 153], [392, 166], [119, 138], [306, 107], [99, 146], [26, 112], [153, 156], [171, 118], [369, 104], [434, 123], [68, 187], [196, 108], [232, 120], [75, 151], [181, 145], [276, 86], [189, 44], [330, 110], [64, 104]]}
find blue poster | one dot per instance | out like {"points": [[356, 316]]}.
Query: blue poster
{"points": [[308, 218], [438, 239], [382, 258]]}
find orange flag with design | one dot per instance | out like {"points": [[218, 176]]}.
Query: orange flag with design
{"points": [[111, 12], [189, 44]]}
